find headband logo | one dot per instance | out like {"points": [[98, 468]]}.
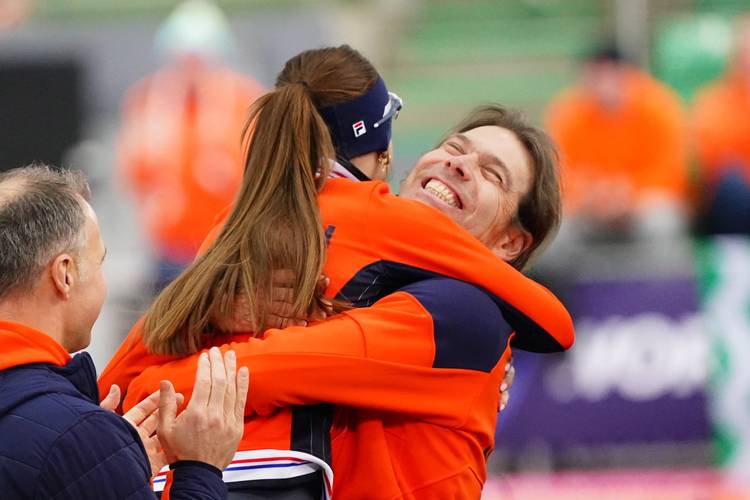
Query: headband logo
{"points": [[359, 128]]}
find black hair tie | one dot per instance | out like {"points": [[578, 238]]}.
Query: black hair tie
{"points": [[304, 84]]}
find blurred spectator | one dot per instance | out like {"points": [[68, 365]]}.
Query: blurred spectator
{"points": [[180, 150], [13, 13], [620, 134], [721, 126]]}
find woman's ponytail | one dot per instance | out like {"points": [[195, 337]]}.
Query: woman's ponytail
{"points": [[275, 225]]}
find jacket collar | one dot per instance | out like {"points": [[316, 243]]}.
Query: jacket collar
{"points": [[346, 169], [80, 371], [23, 345]]}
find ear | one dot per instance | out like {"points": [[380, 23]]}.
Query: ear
{"points": [[63, 274], [513, 243]]}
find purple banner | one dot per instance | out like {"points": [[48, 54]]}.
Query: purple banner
{"points": [[636, 374]]}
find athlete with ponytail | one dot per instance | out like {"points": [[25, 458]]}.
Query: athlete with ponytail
{"points": [[415, 377]]}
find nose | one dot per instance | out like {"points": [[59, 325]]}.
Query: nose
{"points": [[457, 167]]}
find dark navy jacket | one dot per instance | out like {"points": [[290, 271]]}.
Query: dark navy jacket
{"points": [[57, 443]]}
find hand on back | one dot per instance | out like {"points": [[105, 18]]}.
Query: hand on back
{"points": [[282, 294]]}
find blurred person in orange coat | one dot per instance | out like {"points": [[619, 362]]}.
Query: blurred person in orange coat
{"points": [[179, 150], [623, 150], [721, 129]]}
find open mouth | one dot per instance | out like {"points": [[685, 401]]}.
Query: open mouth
{"points": [[442, 192]]}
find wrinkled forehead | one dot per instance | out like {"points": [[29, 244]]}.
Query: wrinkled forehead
{"points": [[503, 144]]}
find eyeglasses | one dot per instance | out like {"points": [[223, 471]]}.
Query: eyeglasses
{"points": [[394, 106]]}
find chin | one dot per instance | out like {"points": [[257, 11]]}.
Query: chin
{"points": [[79, 343]]}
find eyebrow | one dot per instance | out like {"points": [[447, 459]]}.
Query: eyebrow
{"points": [[105, 254], [488, 158]]}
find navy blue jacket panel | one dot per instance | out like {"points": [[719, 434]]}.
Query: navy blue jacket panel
{"points": [[57, 443]]}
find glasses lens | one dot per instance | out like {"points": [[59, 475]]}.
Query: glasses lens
{"points": [[395, 105]]}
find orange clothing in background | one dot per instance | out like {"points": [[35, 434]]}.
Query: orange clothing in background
{"points": [[721, 126], [180, 152], [641, 143]]}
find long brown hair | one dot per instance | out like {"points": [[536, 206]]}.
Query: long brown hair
{"points": [[275, 223]]}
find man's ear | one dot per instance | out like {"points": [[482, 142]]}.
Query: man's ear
{"points": [[63, 273], [513, 243]]}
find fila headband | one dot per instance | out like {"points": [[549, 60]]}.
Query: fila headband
{"points": [[362, 125]]}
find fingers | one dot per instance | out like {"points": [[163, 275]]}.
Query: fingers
{"points": [[202, 387], [326, 306], [148, 426], [504, 397], [157, 459], [218, 379], [242, 318], [282, 294], [112, 400], [156, 455], [230, 365], [140, 412], [241, 321], [281, 309], [282, 297], [324, 309], [282, 278], [167, 406], [323, 283], [243, 382], [510, 376]]}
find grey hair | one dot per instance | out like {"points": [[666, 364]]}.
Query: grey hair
{"points": [[41, 215]]}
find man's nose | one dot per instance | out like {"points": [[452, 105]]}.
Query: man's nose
{"points": [[458, 167]]}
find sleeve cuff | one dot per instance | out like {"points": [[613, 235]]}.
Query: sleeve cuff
{"points": [[181, 464], [191, 480]]}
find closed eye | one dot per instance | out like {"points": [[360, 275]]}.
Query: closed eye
{"points": [[492, 174], [454, 148]]}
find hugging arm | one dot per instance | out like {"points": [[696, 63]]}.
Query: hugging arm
{"points": [[394, 356]]}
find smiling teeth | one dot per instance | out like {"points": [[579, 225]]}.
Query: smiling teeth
{"points": [[442, 192]]}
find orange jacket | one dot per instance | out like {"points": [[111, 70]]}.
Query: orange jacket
{"points": [[721, 127], [380, 243], [180, 152], [642, 143], [422, 365]]}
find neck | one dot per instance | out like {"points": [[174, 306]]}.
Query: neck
{"points": [[34, 311], [368, 165]]}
